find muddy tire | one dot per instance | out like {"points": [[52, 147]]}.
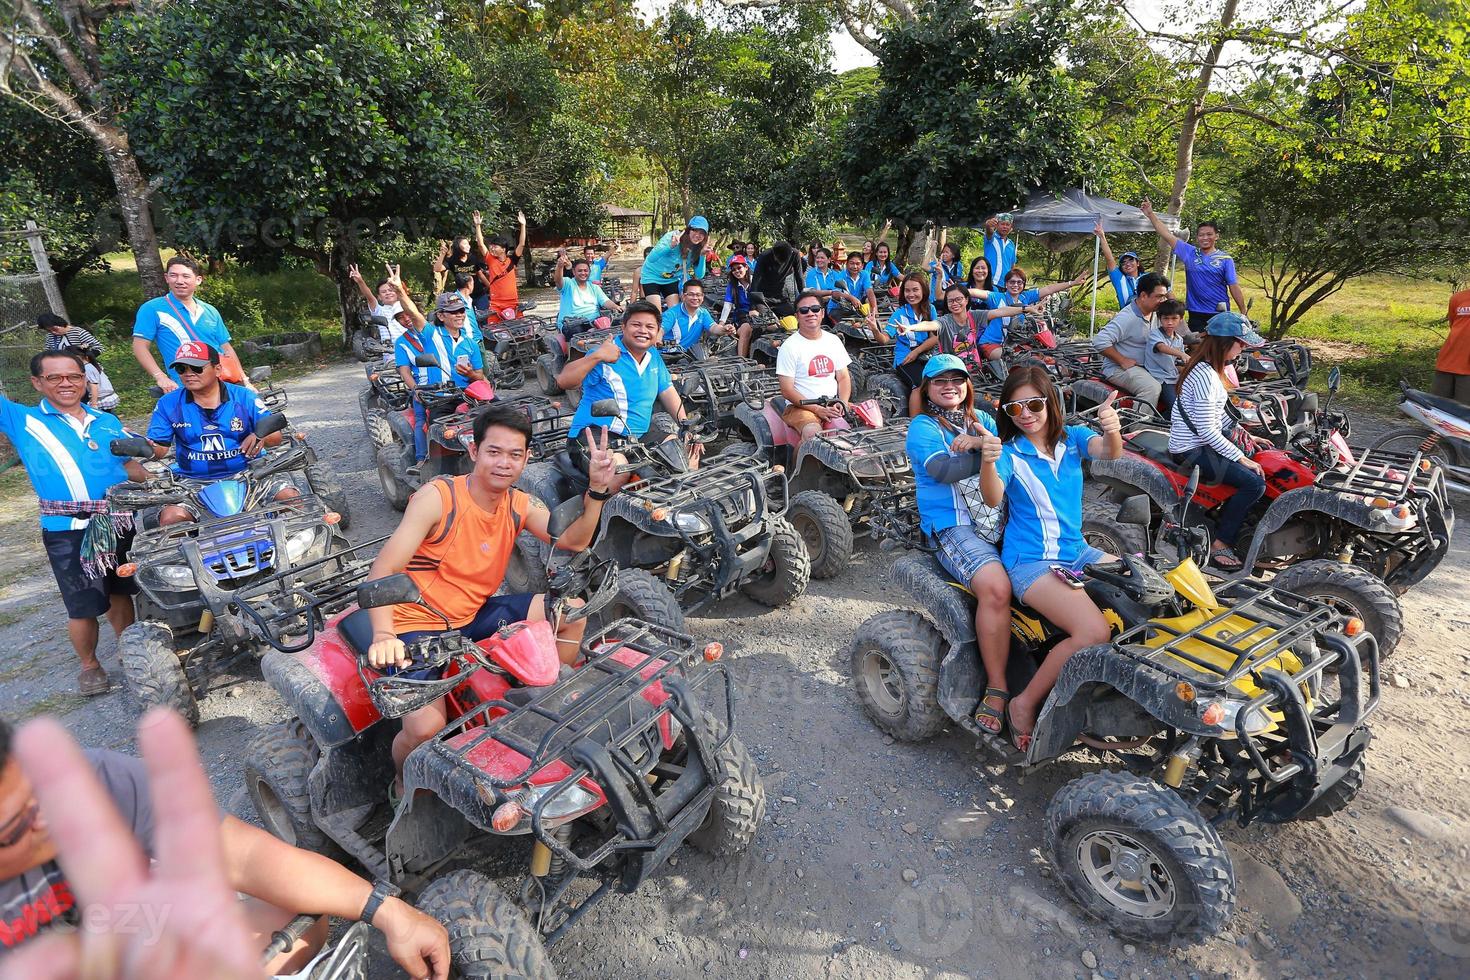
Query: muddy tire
{"points": [[640, 596], [278, 764], [525, 572], [153, 670], [323, 483], [540, 481], [739, 801], [488, 934], [859, 379], [392, 460], [1102, 529], [894, 659], [1106, 830], [889, 392], [786, 572], [1352, 590], [1338, 795], [546, 372], [367, 404], [379, 429], [825, 531]]}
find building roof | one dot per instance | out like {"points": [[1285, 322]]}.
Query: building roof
{"points": [[614, 211]]}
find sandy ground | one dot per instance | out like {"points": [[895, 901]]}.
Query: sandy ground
{"points": [[884, 859]]}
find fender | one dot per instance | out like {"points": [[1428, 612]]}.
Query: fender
{"points": [[755, 423], [1131, 474], [1334, 503], [951, 609]]}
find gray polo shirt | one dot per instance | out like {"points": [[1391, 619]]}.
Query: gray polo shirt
{"points": [[1127, 333]]}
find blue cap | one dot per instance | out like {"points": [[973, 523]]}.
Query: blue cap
{"points": [[699, 223], [1232, 324], [1128, 255], [944, 364]]}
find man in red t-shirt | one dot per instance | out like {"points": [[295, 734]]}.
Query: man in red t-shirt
{"points": [[1452, 367]]}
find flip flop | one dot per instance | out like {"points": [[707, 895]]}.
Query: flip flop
{"points": [[1225, 559], [1020, 740], [984, 711]]}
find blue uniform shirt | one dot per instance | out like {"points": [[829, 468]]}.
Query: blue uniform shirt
{"points": [[817, 279], [1207, 278], [449, 351], [941, 275], [207, 441], [903, 343], [738, 297], [941, 505], [882, 276], [1000, 255], [1124, 287], [166, 321], [65, 458], [858, 287], [687, 331], [1043, 499], [406, 351], [634, 386], [597, 267]]}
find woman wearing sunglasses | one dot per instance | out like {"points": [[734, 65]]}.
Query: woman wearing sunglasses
{"points": [[946, 443], [1039, 476], [962, 330]]}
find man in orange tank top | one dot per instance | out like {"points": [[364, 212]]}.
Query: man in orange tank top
{"points": [[455, 539]]}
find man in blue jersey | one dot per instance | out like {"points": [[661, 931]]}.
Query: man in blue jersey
{"points": [[1000, 248], [210, 425], [1122, 271], [855, 288], [630, 371], [1209, 274], [176, 318], [413, 341], [689, 322], [458, 350], [65, 448]]}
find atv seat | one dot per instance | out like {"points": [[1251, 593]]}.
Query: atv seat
{"points": [[1154, 444], [356, 628], [568, 468], [1439, 404]]}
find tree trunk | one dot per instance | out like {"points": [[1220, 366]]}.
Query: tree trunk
{"points": [[348, 297], [1189, 126], [133, 201]]}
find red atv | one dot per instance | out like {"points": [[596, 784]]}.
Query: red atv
{"points": [[1354, 528], [607, 767], [393, 435]]}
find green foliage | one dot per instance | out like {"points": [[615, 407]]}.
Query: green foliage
{"points": [[303, 126], [970, 116]]}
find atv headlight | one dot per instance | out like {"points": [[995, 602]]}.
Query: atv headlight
{"points": [[572, 802], [301, 543], [1256, 720], [174, 576], [690, 523]]}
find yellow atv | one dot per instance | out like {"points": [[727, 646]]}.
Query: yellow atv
{"points": [[1242, 704]]}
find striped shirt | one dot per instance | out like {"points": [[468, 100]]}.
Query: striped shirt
{"points": [[1202, 401], [74, 337]]}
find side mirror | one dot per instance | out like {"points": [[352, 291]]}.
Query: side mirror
{"points": [[1135, 510], [606, 408], [392, 590], [563, 517], [379, 321], [425, 360], [260, 375], [133, 447], [270, 425], [1334, 379]]}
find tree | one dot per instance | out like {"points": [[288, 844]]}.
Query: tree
{"points": [[968, 118], [51, 62], [864, 20], [302, 127]]}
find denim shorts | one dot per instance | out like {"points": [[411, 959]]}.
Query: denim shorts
{"points": [[962, 552], [1028, 573]]}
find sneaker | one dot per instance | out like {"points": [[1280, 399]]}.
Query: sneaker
{"points": [[93, 681]]}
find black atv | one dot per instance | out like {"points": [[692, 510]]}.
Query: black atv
{"points": [[718, 388], [511, 348], [557, 351]]}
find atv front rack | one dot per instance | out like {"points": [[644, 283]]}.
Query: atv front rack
{"points": [[1396, 477], [551, 420], [391, 390], [715, 386], [297, 601], [598, 723]]}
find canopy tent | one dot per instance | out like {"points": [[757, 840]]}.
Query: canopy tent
{"points": [[1063, 218]]}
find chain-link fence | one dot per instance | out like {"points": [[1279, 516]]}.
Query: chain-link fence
{"points": [[28, 288]]}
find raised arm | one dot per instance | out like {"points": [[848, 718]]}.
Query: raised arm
{"points": [[479, 232], [521, 244], [355, 275], [437, 270], [1169, 238], [1107, 250], [1058, 287]]}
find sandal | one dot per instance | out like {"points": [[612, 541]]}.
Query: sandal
{"points": [[1019, 739], [984, 712], [1225, 559], [93, 681]]}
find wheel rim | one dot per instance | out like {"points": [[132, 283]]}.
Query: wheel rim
{"points": [[1410, 443], [883, 683], [388, 480], [810, 530], [1105, 541], [1126, 873], [1338, 602], [272, 812]]}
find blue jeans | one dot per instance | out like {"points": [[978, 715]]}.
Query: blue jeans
{"points": [[1214, 468], [420, 432]]}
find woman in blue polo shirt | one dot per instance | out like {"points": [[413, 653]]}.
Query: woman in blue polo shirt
{"points": [[944, 444], [945, 269], [1039, 476], [1016, 293], [820, 276], [882, 273], [909, 345]]}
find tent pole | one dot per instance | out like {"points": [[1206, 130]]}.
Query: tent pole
{"points": [[1096, 251]]}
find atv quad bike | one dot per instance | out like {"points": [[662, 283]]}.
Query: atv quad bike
{"points": [[450, 411], [1214, 704], [606, 767], [319, 477], [716, 389], [1348, 527], [685, 538], [511, 348], [557, 351], [191, 626]]}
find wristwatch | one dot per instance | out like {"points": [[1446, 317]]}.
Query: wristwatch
{"points": [[599, 494], [382, 891]]}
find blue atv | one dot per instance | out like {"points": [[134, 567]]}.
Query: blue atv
{"points": [[207, 588]]}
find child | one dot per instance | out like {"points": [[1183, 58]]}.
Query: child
{"points": [[1166, 351], [101, 396]]}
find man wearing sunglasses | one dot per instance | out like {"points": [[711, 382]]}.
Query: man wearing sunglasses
{"points": [[812, 364], [65, 448], [210, 424]]}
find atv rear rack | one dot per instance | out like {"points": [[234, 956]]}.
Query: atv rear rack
{"points": [[715, 385], [876, 459], [1396, 477], [297, 601], [597, 722], [722, 482]]}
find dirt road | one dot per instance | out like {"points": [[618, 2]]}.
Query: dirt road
{"points": [[891, 860]]}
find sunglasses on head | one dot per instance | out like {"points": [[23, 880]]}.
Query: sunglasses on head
{"points": [[808, 309], [1033, 405], [189, 368], [20, 826]]}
